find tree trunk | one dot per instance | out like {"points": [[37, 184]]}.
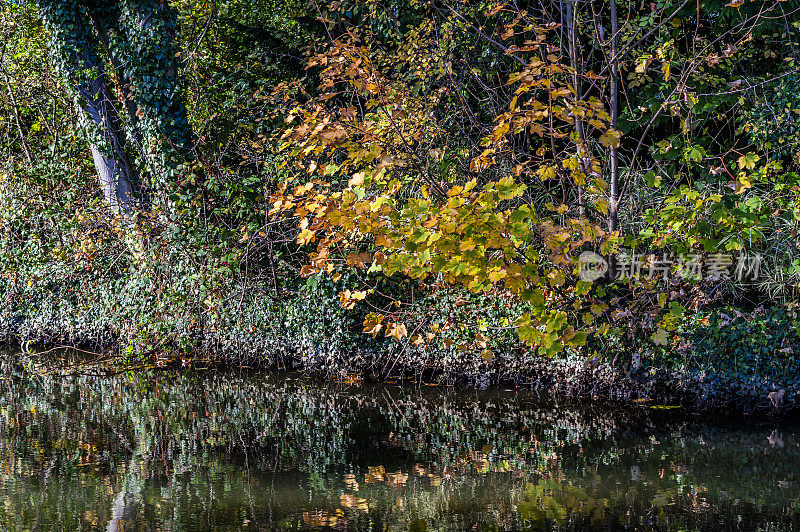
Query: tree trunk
{"points": [[117, 512], [113, 167], [613, 204], [575, 63], [145, 34], [123, 81], [75, 52]]}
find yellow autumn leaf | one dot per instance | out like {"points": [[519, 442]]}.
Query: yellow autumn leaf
{"points": [[308, 270], [748, 161], [346, 300], [546, 172], [480, 340], [397, 331], [372, 328], [610, 138], [305, 237]]}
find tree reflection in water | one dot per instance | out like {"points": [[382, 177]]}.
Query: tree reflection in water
{"points": [[226, 450]]}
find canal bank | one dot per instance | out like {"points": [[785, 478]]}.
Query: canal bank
{"points": [[724, 360]]}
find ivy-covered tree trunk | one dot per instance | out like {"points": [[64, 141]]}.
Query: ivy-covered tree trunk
{"points": [[137, 37], [74, 50], [141, 38], [113, 167]]}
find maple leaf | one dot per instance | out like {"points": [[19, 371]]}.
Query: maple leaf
{"points": [[660, 337], [334, 135], [397, 331], [305, 237], [372, 328], [610, 139]]}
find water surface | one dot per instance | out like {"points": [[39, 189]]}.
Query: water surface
{"points": [[194, 450]]}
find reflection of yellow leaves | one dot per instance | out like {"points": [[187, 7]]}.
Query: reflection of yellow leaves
{"points": [[90, 517], [320, 519], [662, 499], [397, 479], [351, 501], [348, 500], [374, 474], [351, 482], [482, 465], [352, 380]]}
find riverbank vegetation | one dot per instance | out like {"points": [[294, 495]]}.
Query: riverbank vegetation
{"points": [[600, 198]]}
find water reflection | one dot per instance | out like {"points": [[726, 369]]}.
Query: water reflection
{"points": [[227, 451]]}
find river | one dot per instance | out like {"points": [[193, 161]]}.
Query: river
{"points": [[248, 450]]}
